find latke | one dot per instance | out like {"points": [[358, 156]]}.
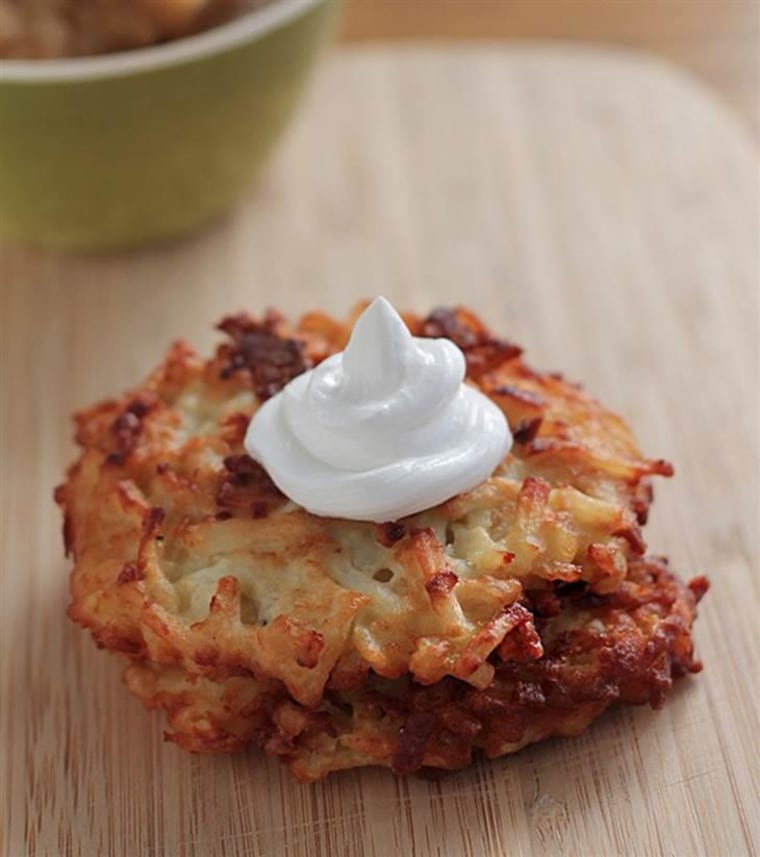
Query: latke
{"points": [[519, 610]]}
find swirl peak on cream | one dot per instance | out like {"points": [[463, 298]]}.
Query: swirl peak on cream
{"points": [[381, 430]]}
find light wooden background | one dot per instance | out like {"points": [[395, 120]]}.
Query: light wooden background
{"points": [[599, 209], [717, 40]]}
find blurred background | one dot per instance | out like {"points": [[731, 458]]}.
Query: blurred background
{"points": [[717, 40], [99, 183]]}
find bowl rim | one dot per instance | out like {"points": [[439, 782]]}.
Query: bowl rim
{"points": [[248, 26]]}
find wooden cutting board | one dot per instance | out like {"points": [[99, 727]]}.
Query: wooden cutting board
{"points": [[596, 207]]}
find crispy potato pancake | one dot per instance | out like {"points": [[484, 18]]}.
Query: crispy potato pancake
{"points": [[516, 611]]}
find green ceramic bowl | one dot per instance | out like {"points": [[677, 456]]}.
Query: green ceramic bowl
{"points": [[126, 149]]}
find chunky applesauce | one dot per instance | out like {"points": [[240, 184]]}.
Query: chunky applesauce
{"points": [[47, 29]]}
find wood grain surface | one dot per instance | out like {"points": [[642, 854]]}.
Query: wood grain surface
{"points": [[717, 40], [598, 209]]}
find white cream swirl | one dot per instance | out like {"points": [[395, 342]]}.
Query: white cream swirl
{"points": [[381, 430]]}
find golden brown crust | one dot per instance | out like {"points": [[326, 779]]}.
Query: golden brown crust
{"points": [[228, 598], [596, 651]]}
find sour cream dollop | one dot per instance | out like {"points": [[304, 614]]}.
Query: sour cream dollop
{"points": [[381, 430]]}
